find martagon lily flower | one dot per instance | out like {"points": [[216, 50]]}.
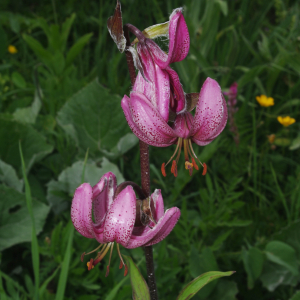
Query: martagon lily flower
{"points": [[114, 216], [149, 126], [156, 79]]}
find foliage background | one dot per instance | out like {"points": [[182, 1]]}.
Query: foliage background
{"points": [[60, 95]]}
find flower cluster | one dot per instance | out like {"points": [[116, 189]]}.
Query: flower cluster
{"points": [[115, 218], [157, 99]]}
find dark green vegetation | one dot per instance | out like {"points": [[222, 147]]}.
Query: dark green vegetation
{"points": [[60, 95]]}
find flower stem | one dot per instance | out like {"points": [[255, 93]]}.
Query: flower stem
{"points": [[145, 178]]}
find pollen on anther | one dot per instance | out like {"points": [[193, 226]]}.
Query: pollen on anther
{"points": [[90, 264], [204, 169], [173, 167], [163, 171]]}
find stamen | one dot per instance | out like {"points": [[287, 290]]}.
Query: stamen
{"points": [[188, 165], [177, 147], [107, 271], [204, 169], [102, 253], [82, 256], [101, 245], [163, 170], [90, 264], [202, 164], [194, 164], [122, 261]]}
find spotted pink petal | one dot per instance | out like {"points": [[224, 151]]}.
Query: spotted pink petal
{"points": [[81, 210], [211, 113], [183, 124], [157, 90], [179, 41], [147, 236], [135, 129], [103, 193], [120, 219], [148, 121]]}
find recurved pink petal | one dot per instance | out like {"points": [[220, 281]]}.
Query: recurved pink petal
{"points": [[135, 129], [103, 193], [158, 205], [81, 210], [177, 102], [147, 236], [179, 41], [149, 121], [211, 113], [157, 90], [120, 219]]}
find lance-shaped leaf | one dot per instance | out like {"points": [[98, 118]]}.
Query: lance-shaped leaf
{"points": [[115, 28], [140, 290], [198, 283]]}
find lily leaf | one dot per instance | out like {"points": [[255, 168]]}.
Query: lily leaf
{"points": [[140, 290], [198, 283]]}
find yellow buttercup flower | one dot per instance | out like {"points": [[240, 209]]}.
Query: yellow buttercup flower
{"points": [[286, 121], [12, 49], [265, 101]]}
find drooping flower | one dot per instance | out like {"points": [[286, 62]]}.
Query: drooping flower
{"points": [[265, 101], [115, 218], [149, 126], [232, 109], [155, 74], [12, 49], [286, 121]]}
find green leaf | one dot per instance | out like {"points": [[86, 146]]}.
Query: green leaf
{"points": [[29, 114], [34, 144], [3, 43], [18, 80], [34, 242], [9, 176], [282, 254], [225, 290], [140, 290], [253, 262], [44, 55], [296, 296], [198, 283], [274, 275], [77, 48], [94, 119], [15, 222], [203, 263], [62, 282], [223, 6], [295, 143]]}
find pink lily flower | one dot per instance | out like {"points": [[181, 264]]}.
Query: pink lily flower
{"points": [[115, 218], [156, 79], [208, 122]]}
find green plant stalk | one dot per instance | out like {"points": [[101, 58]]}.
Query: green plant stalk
{"points": [[34, 241]]}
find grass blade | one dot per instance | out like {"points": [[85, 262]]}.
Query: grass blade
{"points": [[34, 241]]}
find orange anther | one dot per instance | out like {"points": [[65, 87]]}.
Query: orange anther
{"points": [[126, 271], [107, 271], [82, 256], [163, 171], [204, 169], [188, 165], [90, 264], [121, 265], [194, 164]]}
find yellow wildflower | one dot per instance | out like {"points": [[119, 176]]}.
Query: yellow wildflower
{"points": [[271, 138], [265, 101], [12, 49], [286, 121]]}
